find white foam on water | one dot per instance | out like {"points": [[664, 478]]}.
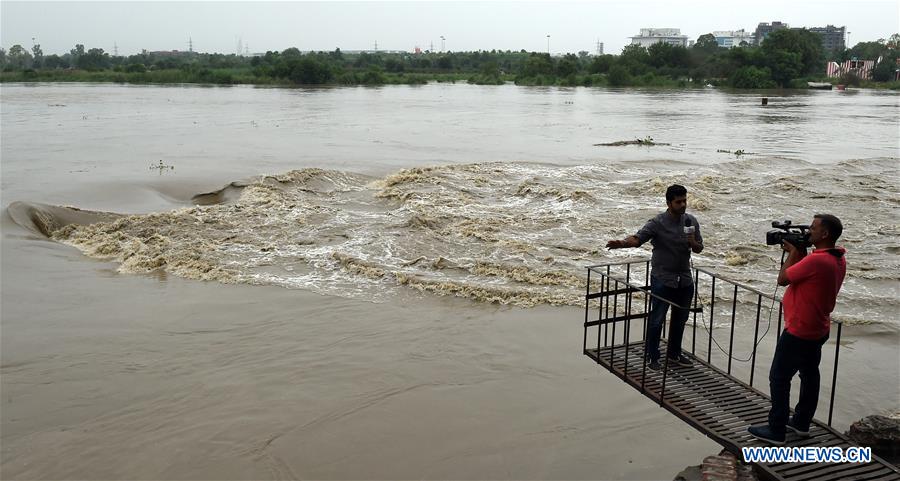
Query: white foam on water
{"points": [[507, 232]]}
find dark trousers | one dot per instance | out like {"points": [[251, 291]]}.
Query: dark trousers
{"points": [[792, 355], [678, 295]]}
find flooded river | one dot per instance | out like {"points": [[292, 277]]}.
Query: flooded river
{"points": [[243, 283]]}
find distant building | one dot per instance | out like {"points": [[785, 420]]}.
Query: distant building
{"points": [[650, 36], [860, 68], [764, 29], [733, 38], [832, 37]]}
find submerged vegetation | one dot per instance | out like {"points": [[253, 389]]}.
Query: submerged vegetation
{"points": [[787, 59], [646, 141]]}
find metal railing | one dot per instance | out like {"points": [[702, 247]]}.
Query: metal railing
{"points": [[622, 283]]}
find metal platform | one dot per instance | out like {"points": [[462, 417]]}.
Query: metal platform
{"points": [[722, 408], [709, 398]]}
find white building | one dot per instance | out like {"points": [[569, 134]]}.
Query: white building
{"points": [[733, 38], [649, 36]]}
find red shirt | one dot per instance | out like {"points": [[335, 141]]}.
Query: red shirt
{"points": [[814, 285]]}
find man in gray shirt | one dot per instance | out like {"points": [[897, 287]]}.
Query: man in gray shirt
{"points": [[674, 235]]}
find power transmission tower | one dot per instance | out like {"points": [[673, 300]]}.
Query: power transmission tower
{"points": [[599, 47], [190, 44], [115, 50], [376, 46]]}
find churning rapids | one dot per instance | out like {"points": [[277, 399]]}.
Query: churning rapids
{"points": [[500, 232]]}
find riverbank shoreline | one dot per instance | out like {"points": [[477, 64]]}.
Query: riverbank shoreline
{"points": [[242, 77]]}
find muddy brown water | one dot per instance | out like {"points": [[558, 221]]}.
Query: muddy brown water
{"points": [[383, 283]]}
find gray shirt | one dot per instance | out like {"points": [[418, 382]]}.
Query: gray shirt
{"points": [[671, 261]]}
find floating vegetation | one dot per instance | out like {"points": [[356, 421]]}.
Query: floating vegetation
{"points": [[161, 167], [738, 152], [648, 141], [735, 259]]}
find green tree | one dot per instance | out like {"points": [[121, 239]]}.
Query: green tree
{"points": [[538, 64], [490, 69], [850, 78], [94, 59], [373, 76], [55, 61], [568, 65], [635, 58], [893, 43], [619, 76], [601, 64], [865, 51], [75, 54], [38, 55], [750, 77], [393, 65], [883, 72], [634, 53], [2, 58], [19, 58], [445, 62], [706, 43], [665, 55], [806, 44], [784, 65], [365, 59], [310, 71]]}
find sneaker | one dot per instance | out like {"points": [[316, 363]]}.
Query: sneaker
{"points": [[799, 432], [681, 361], [654, 365], [764, 433]]}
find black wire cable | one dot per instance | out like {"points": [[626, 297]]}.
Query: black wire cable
{"points": [[768, 322]]}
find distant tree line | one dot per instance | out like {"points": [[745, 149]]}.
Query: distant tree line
{"points": [[787, 58]]}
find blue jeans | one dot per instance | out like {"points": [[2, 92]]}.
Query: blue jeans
{"points": [[658, 309], [793, 354]]}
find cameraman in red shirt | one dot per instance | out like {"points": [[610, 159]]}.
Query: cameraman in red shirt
{"points": [[813, 284]]}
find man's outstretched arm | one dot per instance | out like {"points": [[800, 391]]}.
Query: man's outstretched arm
{"points": [[630, 241]]}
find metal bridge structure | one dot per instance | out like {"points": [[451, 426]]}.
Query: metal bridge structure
{"points": [[716, 395]]}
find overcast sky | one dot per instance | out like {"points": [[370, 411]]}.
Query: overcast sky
{"points": [[572, 26]]}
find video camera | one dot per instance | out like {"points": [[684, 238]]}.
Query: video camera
{"points": [[785, 231]]}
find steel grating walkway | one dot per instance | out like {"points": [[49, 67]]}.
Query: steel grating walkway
{"points": [[722, 407]]}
